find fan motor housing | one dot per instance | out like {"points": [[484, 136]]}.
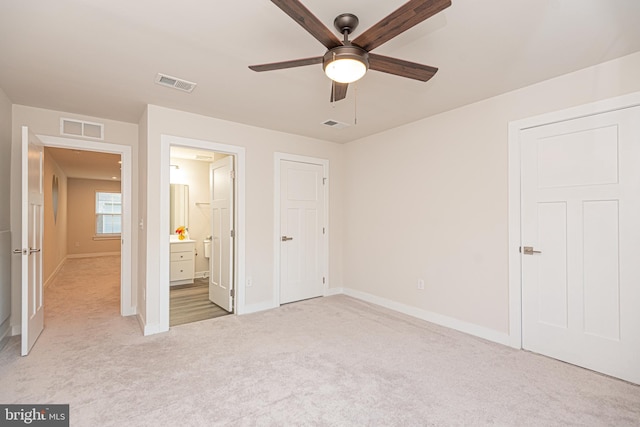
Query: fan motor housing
{"points": [[345, 52]]}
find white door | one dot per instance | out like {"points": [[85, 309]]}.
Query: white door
{"points": [[581, 211], [221, 178], [301, 228], [32, 224]]}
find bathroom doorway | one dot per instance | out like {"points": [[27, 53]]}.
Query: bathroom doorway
{"points": [[199, 242]]}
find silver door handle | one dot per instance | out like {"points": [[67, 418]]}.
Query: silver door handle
{"points": [[20, 251], [285, 238], [32, 251], [528, 250]]}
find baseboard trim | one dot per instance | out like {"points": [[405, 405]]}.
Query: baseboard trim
{"points": [[5, 329], [254, 308], [149, 329], [53, 275], [92, 255], [129, 311], [201, 274], [333, 291], [438, 319]]}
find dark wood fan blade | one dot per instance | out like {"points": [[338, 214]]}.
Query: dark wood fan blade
{"points": [[309, 22], [401, 67], [405, 17], [287, 64], [338, 91]]}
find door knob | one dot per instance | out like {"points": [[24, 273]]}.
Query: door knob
{"points": [[286, 238], [528, 250], [20, 251], [32, 251]]}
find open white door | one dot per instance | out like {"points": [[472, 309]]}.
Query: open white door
{"points": [[221, 288], [32, 224]]}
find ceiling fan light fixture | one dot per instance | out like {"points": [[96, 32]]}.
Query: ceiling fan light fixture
{"points": [[346, 64]]}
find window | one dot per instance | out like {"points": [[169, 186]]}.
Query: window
{"points": [[108, 213]]}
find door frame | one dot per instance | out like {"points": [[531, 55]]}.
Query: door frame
{"points": [[324, 253], [515, 193], [166, 141], [127, 302]]}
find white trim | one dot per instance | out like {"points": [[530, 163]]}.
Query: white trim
{"points": [[53, 275], [333, 291], [166, 141], [127, 306], [515, 129], [201, 274], [278, 157], [148, 329], [262, 306], [92, 255], [438, 319]]}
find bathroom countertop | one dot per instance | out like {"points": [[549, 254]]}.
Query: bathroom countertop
{"points": [[173, 238]]}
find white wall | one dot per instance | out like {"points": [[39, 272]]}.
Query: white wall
{"points": [[195, 174], [5, 234], [429, 200], [54, 239], [260, 144], [47, 122]]}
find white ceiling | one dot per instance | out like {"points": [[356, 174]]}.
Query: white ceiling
{"points": [[100, 57]]}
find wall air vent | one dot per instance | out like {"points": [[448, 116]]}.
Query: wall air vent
{"points": [[335, 124], [174, 82], [72, 127]]}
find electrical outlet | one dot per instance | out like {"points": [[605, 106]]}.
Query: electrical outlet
{"points": [[249, 282], [420, 284]]}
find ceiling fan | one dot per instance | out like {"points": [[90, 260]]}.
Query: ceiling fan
{"points": [[347, 61]]}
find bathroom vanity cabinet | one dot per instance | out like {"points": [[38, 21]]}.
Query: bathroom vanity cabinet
{"points": [[182, 268]]}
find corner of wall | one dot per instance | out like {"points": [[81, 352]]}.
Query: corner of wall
{"points": [[6, 118]]}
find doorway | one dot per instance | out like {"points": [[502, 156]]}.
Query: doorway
{"points": [[301, 227], [201, 234], [578, 196], [127, 305], [167, 143]]}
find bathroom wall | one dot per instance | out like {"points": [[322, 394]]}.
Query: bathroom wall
{"points": [[195, 174]]}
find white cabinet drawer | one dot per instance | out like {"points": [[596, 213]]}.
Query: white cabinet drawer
{"points": [[181, 270], [183, 247], [181, 256]]}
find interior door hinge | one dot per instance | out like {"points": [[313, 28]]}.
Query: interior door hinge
{"points": [[232, 174], [324, 281], [324, 181], [233, 233], [323, 230], [232, 293]]}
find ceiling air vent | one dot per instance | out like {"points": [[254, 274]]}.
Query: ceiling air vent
{"points": [[335, 124], [174, 82], [72, 127]]}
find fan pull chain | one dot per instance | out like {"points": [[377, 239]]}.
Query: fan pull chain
{"points": [[355, 104]]}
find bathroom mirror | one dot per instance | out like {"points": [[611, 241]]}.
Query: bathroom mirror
{"points": [[179, 206]]}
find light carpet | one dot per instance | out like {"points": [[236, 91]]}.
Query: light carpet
{"points": [[332, 361]]}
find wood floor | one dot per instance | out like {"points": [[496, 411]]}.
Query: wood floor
{"points": [[190, 303]]}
